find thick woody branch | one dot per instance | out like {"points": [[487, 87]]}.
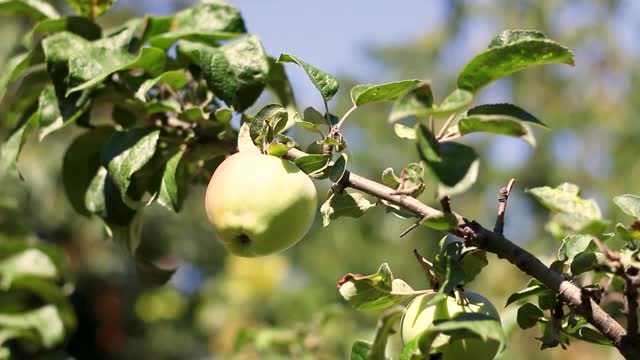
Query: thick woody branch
{"points": [[496, 243]]}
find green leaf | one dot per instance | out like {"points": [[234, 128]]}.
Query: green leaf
{"points": [[92, 65], [462, 326], [80, 164], [325, 83], [103, 198], [472, 261], [175, 79], [454, 102], [496, 124], [236, 72], [272, 115], [441, 221], [50, 118], [309, 126], [374, 292], [344, 204], [173, 184], [277, 148], [447, 265], [508, 37], [45, 323], [364, 94], [314, 116], [390, 179], [630, 204], [508, 56], [573, 245], [36, 9], [79, 25], [10, 149], [526, 293], [404, 132], [572, 211], [528, 315], [508, 110], [591, 335], [416, 102], [206, 22], [360, 350], [91, 8], [13, 68], [126, 152], [312, 163], [453, 165], [383, 331], [338, 168], [31, 262]]}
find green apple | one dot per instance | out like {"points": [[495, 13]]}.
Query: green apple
{"points": [[260, 204], [418, 317]]}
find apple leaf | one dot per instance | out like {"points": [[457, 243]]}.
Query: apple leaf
{"points": [[509, 110], [126, 152], [31, 262], [10, 149], [496, 124], [360, 350], [42, 326], [529, 315], [365, 94], [325, 83], [390, 179], [206, 22], [79, 25], [313, 163], [441, 221], [526, 293], [383, 331], [338, 168], [509, 53], [416, 102], [236, 72], [344, 204], [404, 132], [173, 186], [570, 209], [94, 64], [630, 204], [508, 37], [35, 9], [454, 102], [374, 292], [276, 148], [453, 165], [175, 79]]}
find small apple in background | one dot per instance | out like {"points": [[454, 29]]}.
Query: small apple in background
{"points": [[418, 318], [260, 204]]}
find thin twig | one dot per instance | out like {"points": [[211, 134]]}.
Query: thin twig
{"points": [[410, 228], [445, 126], [502, 207]]}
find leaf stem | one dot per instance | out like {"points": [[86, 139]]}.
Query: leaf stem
{"points": [[446, 125], [345, 116]]}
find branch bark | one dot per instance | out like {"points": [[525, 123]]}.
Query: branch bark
{"points": [[496, 243]]}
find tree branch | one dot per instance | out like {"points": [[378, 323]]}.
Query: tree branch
{"points": [[496, 243]]}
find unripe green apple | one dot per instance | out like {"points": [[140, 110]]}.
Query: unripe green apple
{"points": [[260, 204], [418, 317]]}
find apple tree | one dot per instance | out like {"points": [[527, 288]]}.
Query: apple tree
{"points": [[157, 105]]}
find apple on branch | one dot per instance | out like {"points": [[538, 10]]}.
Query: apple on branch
{"points": [[260, 204]]}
